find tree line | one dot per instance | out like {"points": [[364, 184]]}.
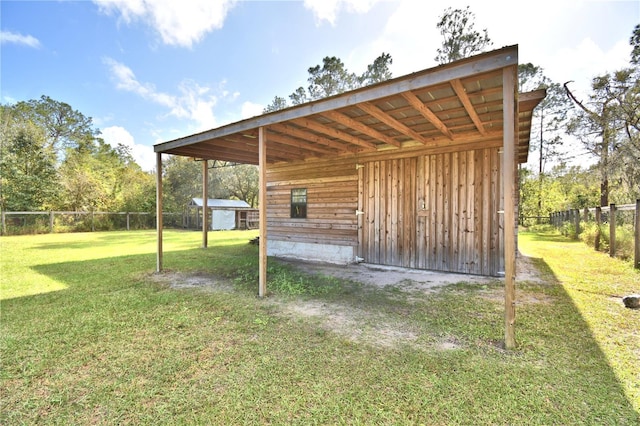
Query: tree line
{"points": [[53, 158], [604, 125]]}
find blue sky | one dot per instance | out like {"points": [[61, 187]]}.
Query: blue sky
{"points": [[151, 71]]}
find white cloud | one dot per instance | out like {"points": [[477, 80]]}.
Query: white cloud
{"points": [[126, 80], [328, 10], [410, 36], [179, 23], [194, 102], [585, 61], [144, 155], [15, 38], [250, 109]]}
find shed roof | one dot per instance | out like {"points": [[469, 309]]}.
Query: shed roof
{"points": [[216, 203], [446, 105]]}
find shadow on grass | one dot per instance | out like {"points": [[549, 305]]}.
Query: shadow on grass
{"points": [[558, 375], [568, 321]]}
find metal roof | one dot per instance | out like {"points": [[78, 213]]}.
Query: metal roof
{"points": [[217, 203], [450, 104]]}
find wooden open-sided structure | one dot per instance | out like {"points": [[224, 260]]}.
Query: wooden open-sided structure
{"points": [[418, 171]]}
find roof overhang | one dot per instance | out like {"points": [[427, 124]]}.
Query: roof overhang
{"points": [[448, 104]]}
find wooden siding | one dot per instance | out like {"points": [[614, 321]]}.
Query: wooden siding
{"points": [[332, 198], [435, 209]]}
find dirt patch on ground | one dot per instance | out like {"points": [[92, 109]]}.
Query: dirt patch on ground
{"points": [[405, 278], [360, 325], [382, 276], [353, 324], [185, 280], [526, 271]]}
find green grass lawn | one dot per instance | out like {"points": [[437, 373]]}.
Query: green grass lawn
{"points": [[90, 335]]}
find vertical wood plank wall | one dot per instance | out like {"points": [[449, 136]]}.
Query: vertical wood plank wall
{"points": [[431, 211], [436, 212]]}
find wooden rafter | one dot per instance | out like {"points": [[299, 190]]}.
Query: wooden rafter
{"points": [[286, 140], [220, 154], [347, 121], [308, 136], [464, 98], [416, 103], [390, 121], [330, 131], [277, 151]]}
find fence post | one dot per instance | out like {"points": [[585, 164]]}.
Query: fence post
{"points": [[612, 230], [51, 221], [598, 223], [576, 221], [127, 221], [636, 258], [93, 226], [586, 215]]}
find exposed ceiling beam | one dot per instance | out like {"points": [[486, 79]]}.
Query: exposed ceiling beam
{"points": [[345, 120], [330, 131], [278, 151], [416, 103], [462, 94], [210, 153], [286, 140], [301, 134], [390, 121]]}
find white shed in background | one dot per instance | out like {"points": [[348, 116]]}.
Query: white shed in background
{"points": [[225, 214]]}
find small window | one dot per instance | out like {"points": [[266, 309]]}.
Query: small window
{"points": [[299, 203]]}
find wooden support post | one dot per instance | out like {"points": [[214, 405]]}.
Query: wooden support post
{"points": [[3, 225], [510, 112], [636, 257], [585, 216], [205, 202], [128, 221], [598, 224], [159, 210], [576, 223], [612, 230], [262, 200], [51, 221]]}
